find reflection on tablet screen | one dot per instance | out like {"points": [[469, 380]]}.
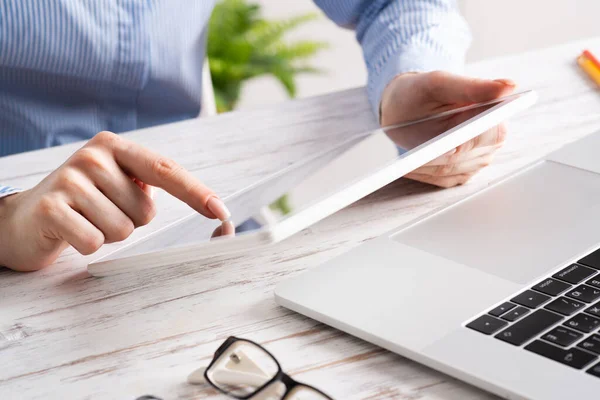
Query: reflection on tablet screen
{"points": [[307, 182]]}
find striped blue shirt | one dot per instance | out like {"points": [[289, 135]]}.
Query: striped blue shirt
{"points": [[72, 68]]}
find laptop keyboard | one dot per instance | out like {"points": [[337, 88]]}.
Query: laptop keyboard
{"points": [[558, 318]]}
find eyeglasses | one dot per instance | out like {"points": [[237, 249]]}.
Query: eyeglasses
{"points": [[243, 370]]}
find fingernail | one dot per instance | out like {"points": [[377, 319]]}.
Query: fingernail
{"points": [[152, 192], [227, 228], [217, 207], [139, 183], [507, 82]]}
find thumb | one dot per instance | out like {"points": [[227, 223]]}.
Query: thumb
{"points": [[455, 89]]}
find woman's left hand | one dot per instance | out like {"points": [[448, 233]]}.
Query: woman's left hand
{"points": [[412, 96]]}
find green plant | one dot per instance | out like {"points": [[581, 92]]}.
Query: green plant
{"points": [[242, 45], [282, 205]]}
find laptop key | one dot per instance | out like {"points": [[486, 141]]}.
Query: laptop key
{"points": [[583, 323], [591, 344], [528, 327], [501, 309], [562, 336], [584, 293], [594, 310], [487, 324], [595, 282], [530, 299], [551, 287], [565, 306], [595, 370], [515, 313], [574, 273], [591, 260], [572, 357]]}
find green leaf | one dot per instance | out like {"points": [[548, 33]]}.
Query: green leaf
{"points": [[299, 50], [265, 33], [282, 204], [286, 77]]}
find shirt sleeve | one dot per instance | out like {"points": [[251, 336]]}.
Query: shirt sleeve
{"points": [[8, 190], [403, 36]]}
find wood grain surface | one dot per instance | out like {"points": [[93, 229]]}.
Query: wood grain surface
{"points": [[66, 335]]}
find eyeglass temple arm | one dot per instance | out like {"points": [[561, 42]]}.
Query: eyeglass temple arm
{"points": [[247, 371]]}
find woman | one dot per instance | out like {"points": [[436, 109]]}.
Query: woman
{"points": [[69, 69]]}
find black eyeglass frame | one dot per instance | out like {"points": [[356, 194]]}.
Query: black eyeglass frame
{"points": [[289, 382]]}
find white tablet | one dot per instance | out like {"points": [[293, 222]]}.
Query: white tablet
{"points": [[308, 191]]}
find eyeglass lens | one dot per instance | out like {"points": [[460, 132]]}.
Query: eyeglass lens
{"points": [[242, 369], [276, 391], [302, 392]]}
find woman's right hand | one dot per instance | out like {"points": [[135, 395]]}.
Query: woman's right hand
{"points": [[99, 195]]}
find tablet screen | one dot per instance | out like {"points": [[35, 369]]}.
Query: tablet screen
{"points": [[305, 183]]}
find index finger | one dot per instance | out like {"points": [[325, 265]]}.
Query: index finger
{"points": [[156, 170]]}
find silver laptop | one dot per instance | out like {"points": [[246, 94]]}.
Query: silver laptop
{"points": [[501, 290]]}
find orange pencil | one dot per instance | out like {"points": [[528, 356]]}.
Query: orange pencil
{"points": [[589, 68], [588, 54]]}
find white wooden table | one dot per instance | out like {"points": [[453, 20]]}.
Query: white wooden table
{"points": [[66, 335]]}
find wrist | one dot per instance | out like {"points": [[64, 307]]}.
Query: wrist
{"points": [[7, 206]]}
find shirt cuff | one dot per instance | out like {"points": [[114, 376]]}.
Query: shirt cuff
{"points": [[408, 59], [8, 190]]}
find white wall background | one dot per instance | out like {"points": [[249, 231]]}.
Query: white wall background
{"points": [[499, 27], [511, 26]]}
